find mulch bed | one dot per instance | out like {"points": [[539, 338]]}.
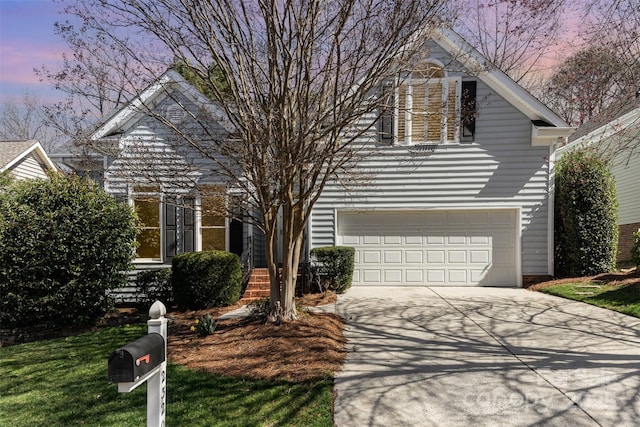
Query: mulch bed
{"points": [[308, 348]]}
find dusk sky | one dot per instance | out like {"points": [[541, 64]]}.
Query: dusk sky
{"points": [[27, 41]]}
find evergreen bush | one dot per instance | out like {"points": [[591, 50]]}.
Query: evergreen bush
{"points": [[64, 243], [206, 279], [586, 214], [333, 265], [154, 285]]}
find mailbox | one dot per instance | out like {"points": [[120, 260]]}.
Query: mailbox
{"points": [[131, 362]]}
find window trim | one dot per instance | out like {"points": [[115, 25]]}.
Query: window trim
{"points": [[398, 116], [200, 227], [133, 195]]}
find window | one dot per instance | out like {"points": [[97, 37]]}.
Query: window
{"points": [[149, 243], [168, 222], [425, 108], [212, 218]]}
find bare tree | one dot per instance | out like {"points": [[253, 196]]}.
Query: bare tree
{"points": [[517, 36], [599, 83], [98, 77], [588, 84], [23, 119], [298, 78]]}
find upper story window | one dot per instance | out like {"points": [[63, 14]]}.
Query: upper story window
{"points": [[426, 106]]}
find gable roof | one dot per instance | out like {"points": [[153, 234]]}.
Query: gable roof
{"points": [[12, 152], [154, 93], [607, 130], [547, 126]]}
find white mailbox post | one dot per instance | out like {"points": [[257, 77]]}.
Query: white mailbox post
{"points": [[135, 356]]}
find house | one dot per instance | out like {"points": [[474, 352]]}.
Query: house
{"points": [[25, 159], [619, 140], [458, 194], [455, 199]]}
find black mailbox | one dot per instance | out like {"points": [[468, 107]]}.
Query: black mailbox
{"points": [[129, 363]]}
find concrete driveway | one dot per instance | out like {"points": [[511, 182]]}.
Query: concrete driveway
{"points": [[485, 357]]}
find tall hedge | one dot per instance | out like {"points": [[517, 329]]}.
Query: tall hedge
{"points": [[206, 279], [64, 242], [586, 214]]}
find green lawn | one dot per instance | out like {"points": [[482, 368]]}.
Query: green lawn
{"points": [[623, 298], [63, 382]]}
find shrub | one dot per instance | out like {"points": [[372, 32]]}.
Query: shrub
{"points": [[65, 244], [586, 214], [635, 250], [259, 308], [154, 285], [333, 265], [206, 279]]}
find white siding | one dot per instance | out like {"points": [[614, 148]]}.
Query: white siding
{"points": [[627, 174], [499, 169], [28, 168]]}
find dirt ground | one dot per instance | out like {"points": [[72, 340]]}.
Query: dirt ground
{"points": [[311, 347], [623, 277]]}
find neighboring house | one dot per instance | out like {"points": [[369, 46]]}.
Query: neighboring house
{"points": [[25, 159], [616, 140], [458, 194]]}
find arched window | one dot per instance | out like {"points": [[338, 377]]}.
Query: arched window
{"points": [[426, 107]]}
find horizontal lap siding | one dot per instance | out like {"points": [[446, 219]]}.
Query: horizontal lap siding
{"points": [[151, 149], [29, 168], [627, 175], [500, 169]]}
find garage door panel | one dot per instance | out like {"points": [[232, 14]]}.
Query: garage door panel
{"points": [[436, 257], [350, 241], [480, 240], [371, 257], [457, 257], [392, 276], [413, 240], [456, 240], [479, 257], [457, 277], [414, 276], [414, 257], [436, 277], [392, 240], [393, 257], [432, 248], [372, 276]]}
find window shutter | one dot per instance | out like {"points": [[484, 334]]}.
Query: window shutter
{"points": [[171, 228]]}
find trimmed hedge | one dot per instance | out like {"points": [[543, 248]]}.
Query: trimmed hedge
{"points": [[63, 243], [154, 285], [586, 214], [334, 266], [206, 279]]}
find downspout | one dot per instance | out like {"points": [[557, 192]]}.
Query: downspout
{"points": [[551, 253]]}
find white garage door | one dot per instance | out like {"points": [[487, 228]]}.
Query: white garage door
{"points": [[455, 248]]}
